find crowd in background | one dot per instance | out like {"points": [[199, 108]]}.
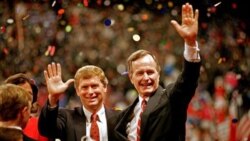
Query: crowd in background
{"points": [[33, 34]]}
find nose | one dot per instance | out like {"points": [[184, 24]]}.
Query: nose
{"points": [[145, 76], [90, 90]]}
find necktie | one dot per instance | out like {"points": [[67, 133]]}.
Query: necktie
{"points": [[143, 107], [94, 130]]}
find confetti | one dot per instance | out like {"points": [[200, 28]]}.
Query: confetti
{"points": [[107, 22], [99, 2], [235, 120], [217, 4], [10, 21], [61, 11], [6, 51], [25, 17], [3, 29], [145, 17], [50, 51], [86, 3], [53, 4], [136, 37], [125, 73], [68, 28], [221, 60], [120, 7]]}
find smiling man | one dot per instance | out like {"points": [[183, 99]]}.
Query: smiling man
{"points": [[159, 114], [92, 120]]}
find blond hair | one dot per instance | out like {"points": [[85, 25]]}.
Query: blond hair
{"points": [[13, 99], [89, 71]]}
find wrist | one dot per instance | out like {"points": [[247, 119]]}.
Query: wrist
{"points": [[53, 100], [191, 42]]}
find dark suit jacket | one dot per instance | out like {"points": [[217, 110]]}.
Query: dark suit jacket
{"points": [[69, 125], [12, 134], [26, 138], [165, 115]]}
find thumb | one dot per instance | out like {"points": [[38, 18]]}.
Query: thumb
{"points": [[69, 81], [176, 26]]}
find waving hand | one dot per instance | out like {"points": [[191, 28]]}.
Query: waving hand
{"points": [[55, 85], [188, 29]]}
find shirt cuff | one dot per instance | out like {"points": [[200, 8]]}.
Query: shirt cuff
{"points": [[191, 54], [51, 107]]}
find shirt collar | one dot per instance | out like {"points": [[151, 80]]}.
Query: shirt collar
{"points": [[14, 127], [140, 99], [100, 113]]}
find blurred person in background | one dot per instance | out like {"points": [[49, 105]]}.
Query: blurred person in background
{"points": [[159, 113], [91, 120], [15, 107], [23, 80], [243, 126]]}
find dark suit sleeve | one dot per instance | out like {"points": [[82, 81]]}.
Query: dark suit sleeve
{"points": [[49, 123], [185, 86], [182, 93]]}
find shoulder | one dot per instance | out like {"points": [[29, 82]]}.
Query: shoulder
{"points": [[69, 112]]}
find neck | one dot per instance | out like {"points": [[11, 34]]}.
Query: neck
{"points": [[9, 123], [94, 109]]}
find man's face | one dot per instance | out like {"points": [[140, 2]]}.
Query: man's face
{"points": [[145, 76], [91, 92]]}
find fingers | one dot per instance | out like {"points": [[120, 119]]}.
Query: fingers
{"points": [[187, 11], [50, 73], [59, 70], [53, 70], [176, 25], [196, 16], [46, 76]]}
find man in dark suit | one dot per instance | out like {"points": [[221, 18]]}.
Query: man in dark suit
{"points": [[15, 108], [74, 125], [164, 117], [31, 130]]}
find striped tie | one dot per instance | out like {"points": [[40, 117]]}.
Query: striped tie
{"points": [[143, 107], [94, 130]]}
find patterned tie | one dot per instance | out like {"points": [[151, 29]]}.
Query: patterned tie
{"points": [[94, 130], [143, 107]]}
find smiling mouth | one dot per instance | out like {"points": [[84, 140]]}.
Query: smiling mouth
{"points": [[146, 85]]}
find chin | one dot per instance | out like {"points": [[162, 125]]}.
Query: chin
{"points": [[93, 103], [147, 93]]}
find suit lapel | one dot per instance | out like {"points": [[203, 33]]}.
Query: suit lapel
{"points": [[154, 102], [127, 116], [80, 123], [111, 117]]}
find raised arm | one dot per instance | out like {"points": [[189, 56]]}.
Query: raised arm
{"points": [[55, 85], [188, 29]]}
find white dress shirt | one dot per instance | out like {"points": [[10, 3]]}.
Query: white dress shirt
{"points": [[102, 123], [191, 54], [132, 125], [14, 127]]}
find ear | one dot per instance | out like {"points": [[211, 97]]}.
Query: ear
{"points": [[105, 89], [25, 110], [76, 90], [130, 75]]}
